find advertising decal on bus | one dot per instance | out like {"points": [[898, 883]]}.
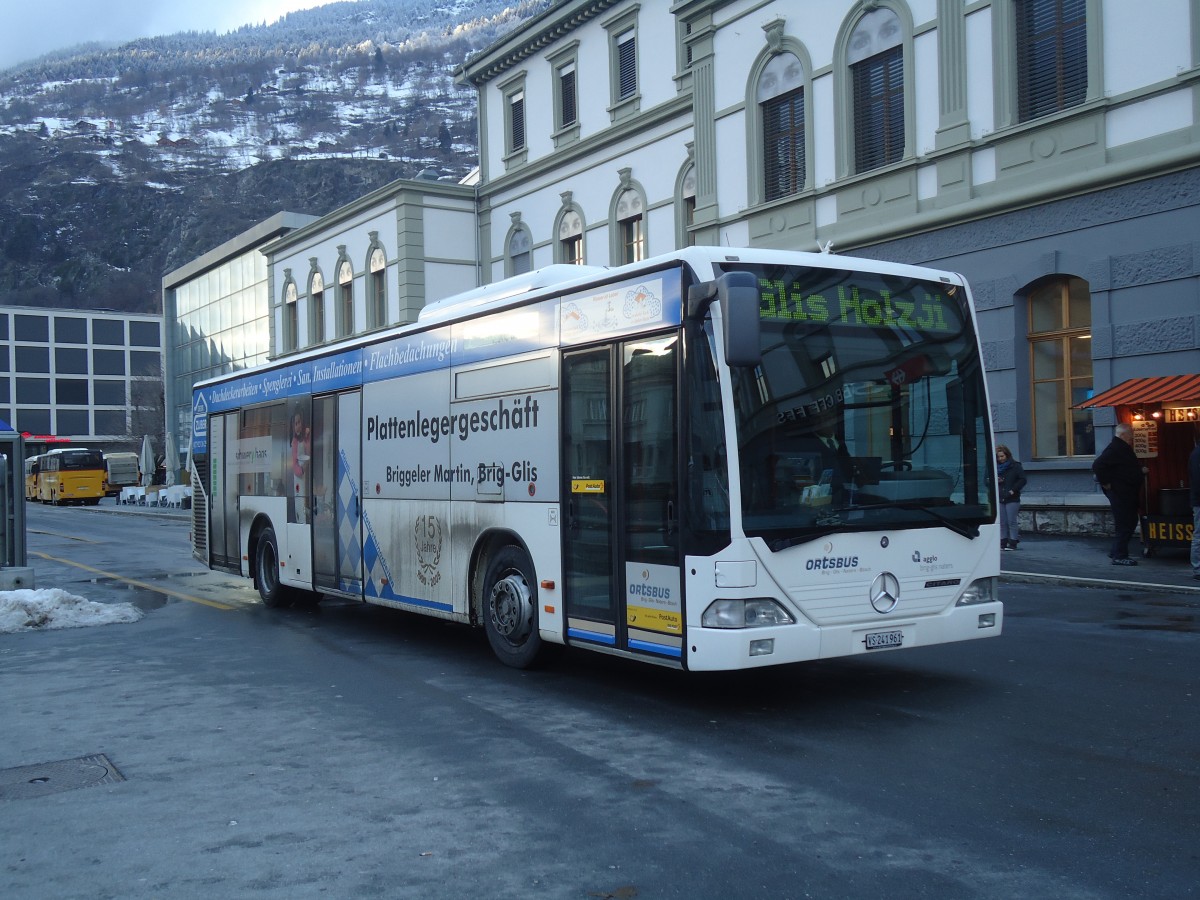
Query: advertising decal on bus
{"points": [[653, 600], [634, 306]]}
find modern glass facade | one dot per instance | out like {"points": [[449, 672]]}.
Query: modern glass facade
{"points": [[88, 377], [218, 311]]}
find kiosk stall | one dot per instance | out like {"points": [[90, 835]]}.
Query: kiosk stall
{"points": [[1165, 414]]}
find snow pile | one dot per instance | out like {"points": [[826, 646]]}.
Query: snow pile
{"points": [[54, 608]]}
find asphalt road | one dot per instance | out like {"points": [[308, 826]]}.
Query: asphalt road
{"points": [[349, 751]]}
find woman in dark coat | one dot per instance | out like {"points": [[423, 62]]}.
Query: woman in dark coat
{"points": [[1011, 479]]}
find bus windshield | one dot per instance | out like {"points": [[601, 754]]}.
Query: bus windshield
{"points": [[80, 460], [868, 409]]}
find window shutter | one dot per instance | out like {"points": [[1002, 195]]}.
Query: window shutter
{"points": [[627, 61], [567, 91], [517, 105], [879, 110], [783, 145], [1051, 56]]}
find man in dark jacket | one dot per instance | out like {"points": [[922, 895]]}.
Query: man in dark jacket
{"points": [[1120, 475]]}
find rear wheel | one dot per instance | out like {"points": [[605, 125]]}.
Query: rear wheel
{"points": [[510, 608], [266, 572]]}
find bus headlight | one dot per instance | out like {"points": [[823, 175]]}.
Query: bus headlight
{"points": [[755, 613], [981, 591]]}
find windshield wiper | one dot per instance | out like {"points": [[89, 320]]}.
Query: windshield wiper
{"points": [[966, 529], [792, 540]]}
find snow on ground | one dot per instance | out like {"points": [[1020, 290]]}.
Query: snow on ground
{"points": [[39, 610]]}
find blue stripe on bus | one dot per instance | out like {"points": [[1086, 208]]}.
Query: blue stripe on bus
{"points": [[389, 594], [593, 636], [655, 648]]}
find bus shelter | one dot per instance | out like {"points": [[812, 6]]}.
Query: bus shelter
{"points": [[13, 571], [1165, 414]]}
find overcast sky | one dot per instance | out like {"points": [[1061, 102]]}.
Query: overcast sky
{"points": [[30, 28]]}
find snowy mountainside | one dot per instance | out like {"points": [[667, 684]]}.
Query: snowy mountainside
{"points": [[149, 135]]}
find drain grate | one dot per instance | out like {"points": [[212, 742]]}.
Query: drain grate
{"points": [[26, 782]]}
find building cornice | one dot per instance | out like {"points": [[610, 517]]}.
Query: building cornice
{"points": [[397, 191], [536, 35], [591, 146], [260, 234]]}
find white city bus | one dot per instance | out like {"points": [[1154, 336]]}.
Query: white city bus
{"points": [[717, 459]]}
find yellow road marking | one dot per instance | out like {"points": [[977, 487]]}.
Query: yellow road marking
{"points": [[134, 582], [65, 537]]}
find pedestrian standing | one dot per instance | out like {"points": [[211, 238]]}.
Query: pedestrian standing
{"points": [[1011, 478], [1120, 476], [1194, 482]]}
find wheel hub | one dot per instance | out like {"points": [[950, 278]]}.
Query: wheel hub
{"points": [[511, 607]]}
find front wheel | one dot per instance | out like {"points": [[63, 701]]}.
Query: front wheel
{"points": [[510, 608], [266, 572]]}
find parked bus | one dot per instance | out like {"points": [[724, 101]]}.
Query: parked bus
{"points": [[74, 475], [718, 459], [121, 470], [32, 473]]}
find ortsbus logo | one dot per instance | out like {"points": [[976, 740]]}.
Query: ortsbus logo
{"points": [[829, 561]]}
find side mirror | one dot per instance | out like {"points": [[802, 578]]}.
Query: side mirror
{"points": [[739, 298]]}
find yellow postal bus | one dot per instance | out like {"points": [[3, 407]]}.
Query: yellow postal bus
{"points": [[32, 471], [76, 475]]}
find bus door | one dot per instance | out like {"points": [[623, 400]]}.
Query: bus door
{"points": [[621, 557], [223, 524], [337, 479]]}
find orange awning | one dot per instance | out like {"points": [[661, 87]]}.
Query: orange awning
{"points": [[1161, 389]]}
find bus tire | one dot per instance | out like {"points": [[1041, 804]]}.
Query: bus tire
{"points": [[266, 572], [510, 615]]}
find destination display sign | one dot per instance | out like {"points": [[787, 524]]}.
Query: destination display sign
{"points": [[913, 309], [924, 310]]}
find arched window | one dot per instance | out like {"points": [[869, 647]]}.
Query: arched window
{"points": [[570, 237], [345, 298], [519, 250], [875, 57], [630, 227], [377, 285], [1060, 352], [780, 97], [316, 308], [687, 207], [291, 318]]}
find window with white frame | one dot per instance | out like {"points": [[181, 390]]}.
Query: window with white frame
{"points": [[1060, 352]]}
